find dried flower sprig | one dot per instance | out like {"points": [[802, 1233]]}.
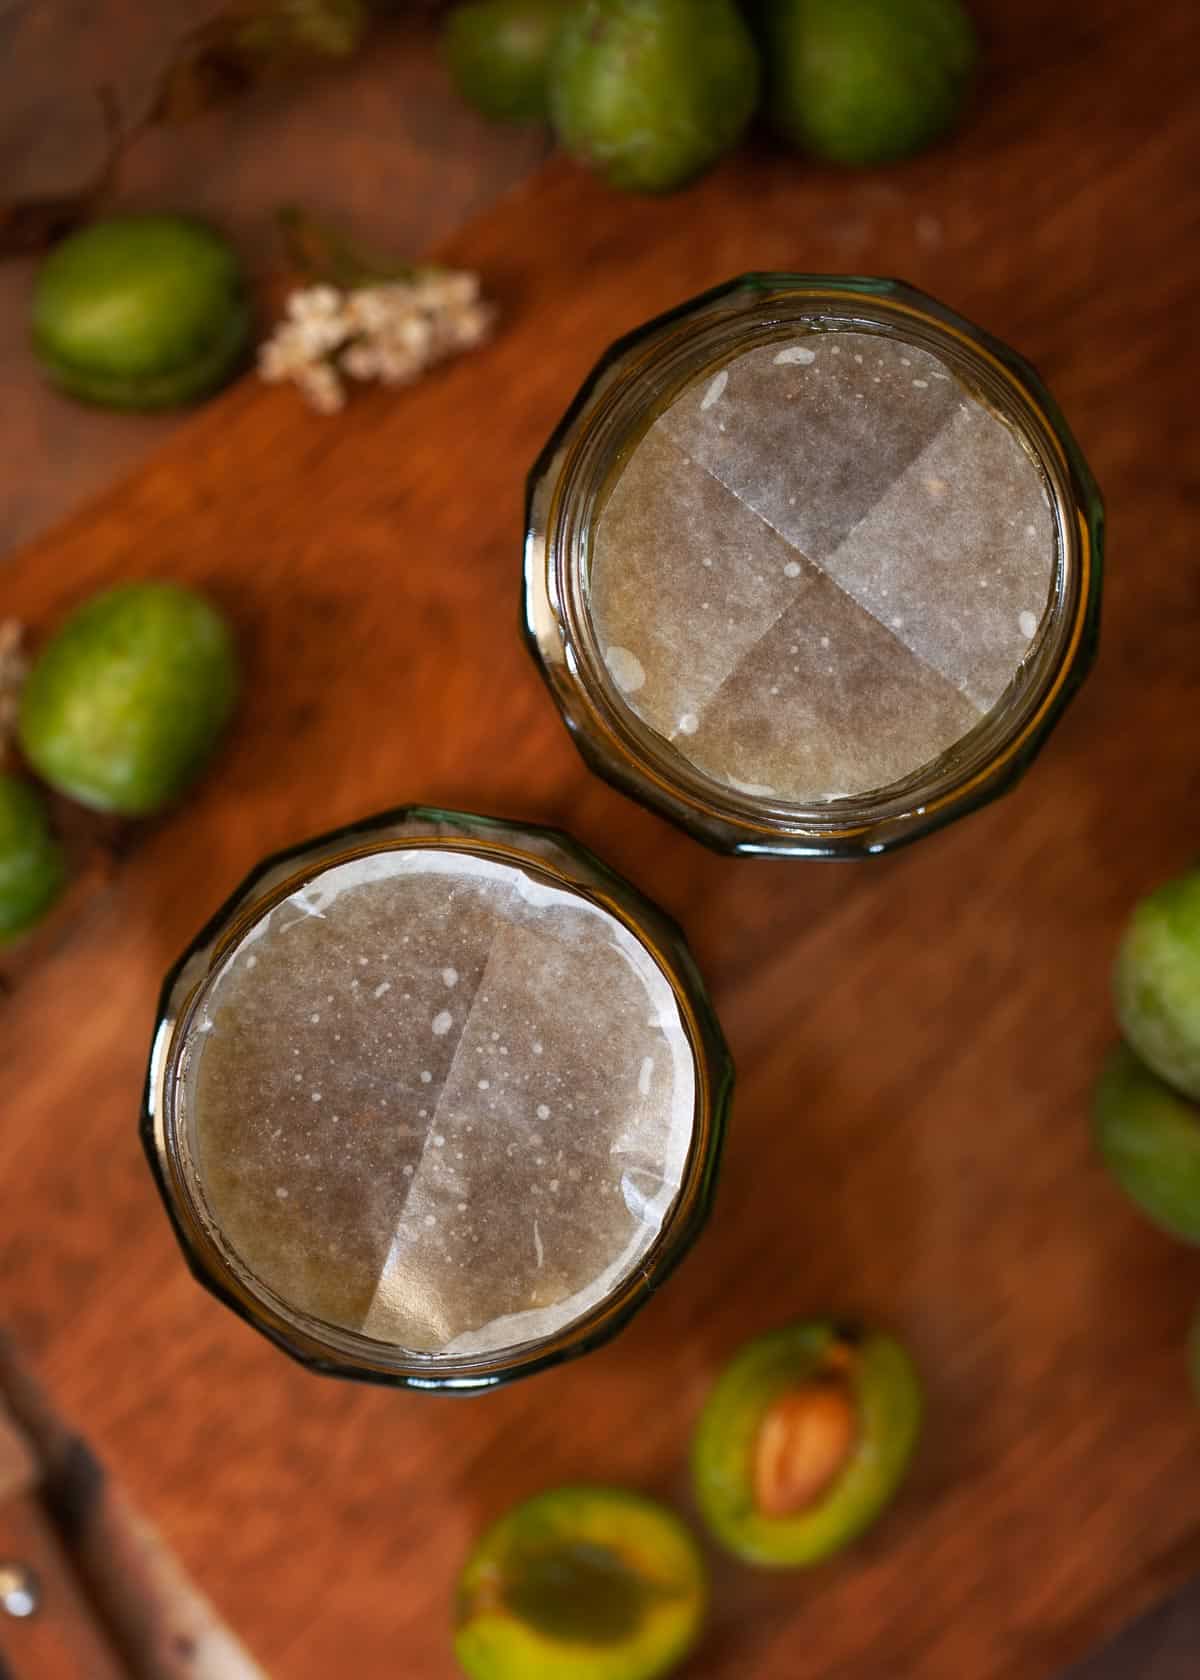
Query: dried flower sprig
{"points": [[391, 332]]}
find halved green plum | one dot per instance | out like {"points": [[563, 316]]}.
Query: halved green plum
{"points": [[804, 1440], [581, 1583], [1149, 1137], [1156, 982]]}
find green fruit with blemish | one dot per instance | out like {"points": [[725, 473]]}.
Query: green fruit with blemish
{"points": [[125, 704], [652, 92], [1156, 982], [866, 81], [498, 52], [1149, 1138], [32, 865], [804, 1440], [141, 312], [581, 1583]]}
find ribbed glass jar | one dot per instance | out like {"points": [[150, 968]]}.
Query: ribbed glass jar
{"points": [[436, 1100], [854, 685]]}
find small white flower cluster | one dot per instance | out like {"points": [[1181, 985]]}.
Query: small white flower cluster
{"points": [[391, 332], [13, 669]]}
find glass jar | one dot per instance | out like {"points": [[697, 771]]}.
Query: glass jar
{"points": [[859, 591], [436, 1100]]}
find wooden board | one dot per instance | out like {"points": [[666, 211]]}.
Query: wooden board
{"points": [[383, 144], [916, 1036]]}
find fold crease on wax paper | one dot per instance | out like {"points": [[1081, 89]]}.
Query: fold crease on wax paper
{"points": [[821, 566], [440, 1101]]}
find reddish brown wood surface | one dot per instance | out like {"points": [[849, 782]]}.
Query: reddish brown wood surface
{"points": [[383, 145], [916, 1037]]}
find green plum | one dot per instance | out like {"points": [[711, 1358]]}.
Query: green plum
{"points": [[1149, 1138], [32, 867], [866, 81], [1156, 982], [141, 312], [498, 52], [804, 1439], [581, 1583], [652, 92], [126, 702]]}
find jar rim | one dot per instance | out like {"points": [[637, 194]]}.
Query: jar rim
{"points": [[643, 372], [557, 860]]}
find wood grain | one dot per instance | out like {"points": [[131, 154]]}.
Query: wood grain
{"points": [[383, 145], [916, 1037]]}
